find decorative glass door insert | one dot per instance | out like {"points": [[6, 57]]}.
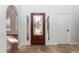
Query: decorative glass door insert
{"points": [[38, 25]]}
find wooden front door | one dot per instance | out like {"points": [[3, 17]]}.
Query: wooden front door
{"points": [[37, 28]]}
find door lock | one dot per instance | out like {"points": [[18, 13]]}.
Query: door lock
{"points": [[67, 30]]}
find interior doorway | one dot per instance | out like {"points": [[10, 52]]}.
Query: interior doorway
{"points": [[11, 29], [37, 28]]}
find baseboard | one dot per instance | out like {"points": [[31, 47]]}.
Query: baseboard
{"points": [[74, 43]]}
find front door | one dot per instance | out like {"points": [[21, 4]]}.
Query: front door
{"points": [[37, 28]]}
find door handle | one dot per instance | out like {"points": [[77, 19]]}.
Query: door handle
{"points": [[67, 30]]}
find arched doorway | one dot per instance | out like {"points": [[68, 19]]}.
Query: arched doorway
{"points": [[11, 26]]}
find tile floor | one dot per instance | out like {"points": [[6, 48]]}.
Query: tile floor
{"points": [[62, 48]]}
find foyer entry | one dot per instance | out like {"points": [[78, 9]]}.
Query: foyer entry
{"points": [[37, 28]]}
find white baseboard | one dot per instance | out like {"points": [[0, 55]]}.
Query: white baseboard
{"points": [[74, 43]]}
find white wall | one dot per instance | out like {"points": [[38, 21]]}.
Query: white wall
{"points": [[75, 26], [2, 29], [52, 11]]}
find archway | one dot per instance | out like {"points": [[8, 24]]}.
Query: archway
{"points": [[11, 26]]}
